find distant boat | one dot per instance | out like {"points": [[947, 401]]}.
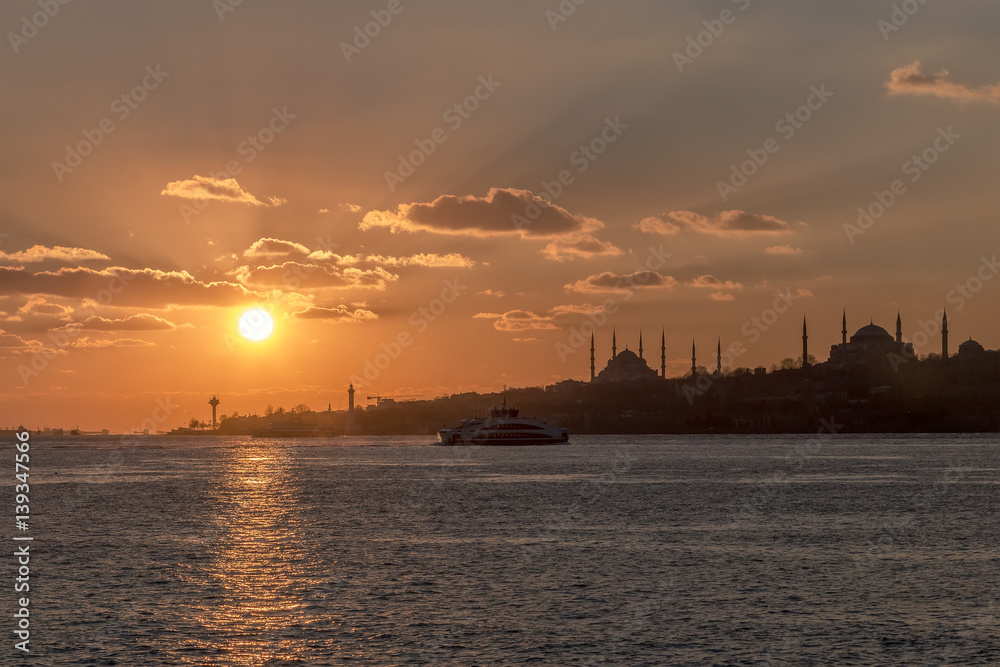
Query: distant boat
{"points": [[504, 428], [293, 429]]}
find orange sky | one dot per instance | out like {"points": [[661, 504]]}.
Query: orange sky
{"points": [[470, 188]]}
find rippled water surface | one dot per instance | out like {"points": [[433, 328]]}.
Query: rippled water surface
{"points": [[639, 550]]}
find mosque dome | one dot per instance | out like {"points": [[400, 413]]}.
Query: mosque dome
{"points": [[626, 365], [971, 347], [626, 357], [871, 332]]}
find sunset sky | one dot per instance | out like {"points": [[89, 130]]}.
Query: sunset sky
{"points": [[165, 166]]}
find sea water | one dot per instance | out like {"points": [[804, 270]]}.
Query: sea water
{"points": [[625, 550]]}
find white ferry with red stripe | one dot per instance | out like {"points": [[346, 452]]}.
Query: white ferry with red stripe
{"points": [[504, 428]]}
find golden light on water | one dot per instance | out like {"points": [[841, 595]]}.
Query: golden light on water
{"points": [[256, 563]]}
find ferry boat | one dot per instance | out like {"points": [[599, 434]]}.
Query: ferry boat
{"points": [[504, 427]]}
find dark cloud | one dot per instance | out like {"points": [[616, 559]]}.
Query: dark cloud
{"points": [[295, 275], [126, 287], [582, 246], [727, 223], [339, 313], [617, 283], [503, 211]]}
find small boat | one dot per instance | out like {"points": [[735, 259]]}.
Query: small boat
{"points": [[504, 427], [293, 429]]}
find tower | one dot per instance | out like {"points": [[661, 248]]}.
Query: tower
{"points": [[214, 403], [718, 358], [614, 344], [805, 344], [843, 331], [591, 357], [350, 405], [640, 343], [944, 335], [694, 368], [663, 354], [899, 328]]}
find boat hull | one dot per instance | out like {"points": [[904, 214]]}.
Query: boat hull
{"points": [[462, 437]]}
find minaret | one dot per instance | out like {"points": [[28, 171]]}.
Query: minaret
{"points": [[591, 357], [899, 328], [663, 354], [843, 332], [214, 403], [805, 345], [640, 343], [944, 335], [718, 357], [350, 405], [694, 368], [614, 344]]}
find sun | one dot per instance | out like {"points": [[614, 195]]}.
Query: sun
{"points": [[256, 324]]}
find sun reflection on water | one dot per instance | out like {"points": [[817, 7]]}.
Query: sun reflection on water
{"points": [[258, 575]]}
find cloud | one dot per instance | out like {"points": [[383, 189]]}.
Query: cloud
{"points": [[425, 259], [721, 296], [323, 210], [86, 342], [616, 283], [782, 250], [524, 320], [712, 282], [518, 320], [727, 223], [11, 345], [312, 276], [493, 292], [273, 249], [140, 322], [583, 246], [39, 306], [576, 309], [910, 80], [126, 287], [40, 253], [503, 211], [350, 208], [206, 187], [339, 313]]}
